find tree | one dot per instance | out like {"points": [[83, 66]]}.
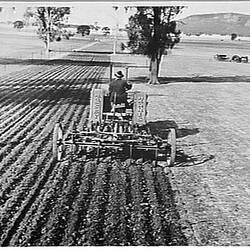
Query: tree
{"points": [[106, 31], [233, 36], [49, 23], [83, 29], [28, 15], [18, 25], [151, 30]]}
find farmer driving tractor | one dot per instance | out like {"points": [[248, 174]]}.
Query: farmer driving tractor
{"points": [[118, 90]]}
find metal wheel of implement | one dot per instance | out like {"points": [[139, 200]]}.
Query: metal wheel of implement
{"points": [[172, 151], [57, 142]]}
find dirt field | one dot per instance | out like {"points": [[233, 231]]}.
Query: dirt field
{"points": [[202, 200], [76, 202]]}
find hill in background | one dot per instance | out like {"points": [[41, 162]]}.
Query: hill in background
{"points": [[220, 23]]}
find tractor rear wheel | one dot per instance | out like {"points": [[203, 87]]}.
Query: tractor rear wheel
{"points": [[57, 142]]}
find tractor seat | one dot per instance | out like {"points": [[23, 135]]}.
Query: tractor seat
{"points": [[118, 107]]}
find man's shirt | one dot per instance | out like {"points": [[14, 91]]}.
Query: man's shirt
{"points": [[119, 86]]}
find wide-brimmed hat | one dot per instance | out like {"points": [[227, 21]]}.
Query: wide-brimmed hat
{"points": [[119, 74]]}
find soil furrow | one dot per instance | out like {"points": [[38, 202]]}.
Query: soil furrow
{"points": [[93, 235], [22, 146], [115, 232], [77, 219], [68, 117]]}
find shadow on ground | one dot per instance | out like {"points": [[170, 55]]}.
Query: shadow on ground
{"points": [[162, 127], [13, 61], [212, 79], [94, 59], [73, 94], [184, 160]]}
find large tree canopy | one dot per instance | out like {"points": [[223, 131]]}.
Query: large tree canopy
{"points": [[49, 20], [151, 30]]}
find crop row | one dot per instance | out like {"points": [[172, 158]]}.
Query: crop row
{"points": [[110, 203], [22, 174], [30, 98], [19, 91], [116, 228], [75, 202], [28, 132]]}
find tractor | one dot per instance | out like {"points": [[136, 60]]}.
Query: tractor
{"points": [[120, 130]]}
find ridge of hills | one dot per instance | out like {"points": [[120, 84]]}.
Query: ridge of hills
{"points": [[218, 23]]}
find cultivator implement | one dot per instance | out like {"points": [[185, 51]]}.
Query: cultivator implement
{"points": [[115, 131]]}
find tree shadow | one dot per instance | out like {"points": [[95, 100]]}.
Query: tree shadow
{"points": [[215, 79], [194, 79], [104, 52], [81, 59], [55, 91], [138, 79], [62, 61]]}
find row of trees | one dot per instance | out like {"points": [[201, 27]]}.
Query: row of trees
{"points": [[151, 30], [49, 21]]}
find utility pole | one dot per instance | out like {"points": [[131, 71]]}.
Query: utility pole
{"points": [[115, 39], [116, 30]]}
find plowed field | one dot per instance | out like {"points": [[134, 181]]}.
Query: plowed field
{"points": [[75, 202], [202, 200]]}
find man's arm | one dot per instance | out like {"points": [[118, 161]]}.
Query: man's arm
{"points": [[110, 87]]}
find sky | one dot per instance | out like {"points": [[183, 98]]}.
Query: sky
{"points": [[104, 14]]}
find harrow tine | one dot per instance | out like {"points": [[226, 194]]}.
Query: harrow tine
{"points": [[98, 152], [120, 132], [156, 157], [130, 151]]}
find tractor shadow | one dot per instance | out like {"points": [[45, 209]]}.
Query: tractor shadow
{"points": [[161, 128], [182, 160]]}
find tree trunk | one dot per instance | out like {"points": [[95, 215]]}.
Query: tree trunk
{"points": [[158, 66], [47, 47], [153, 72], [156, 53], [47, 43]]}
